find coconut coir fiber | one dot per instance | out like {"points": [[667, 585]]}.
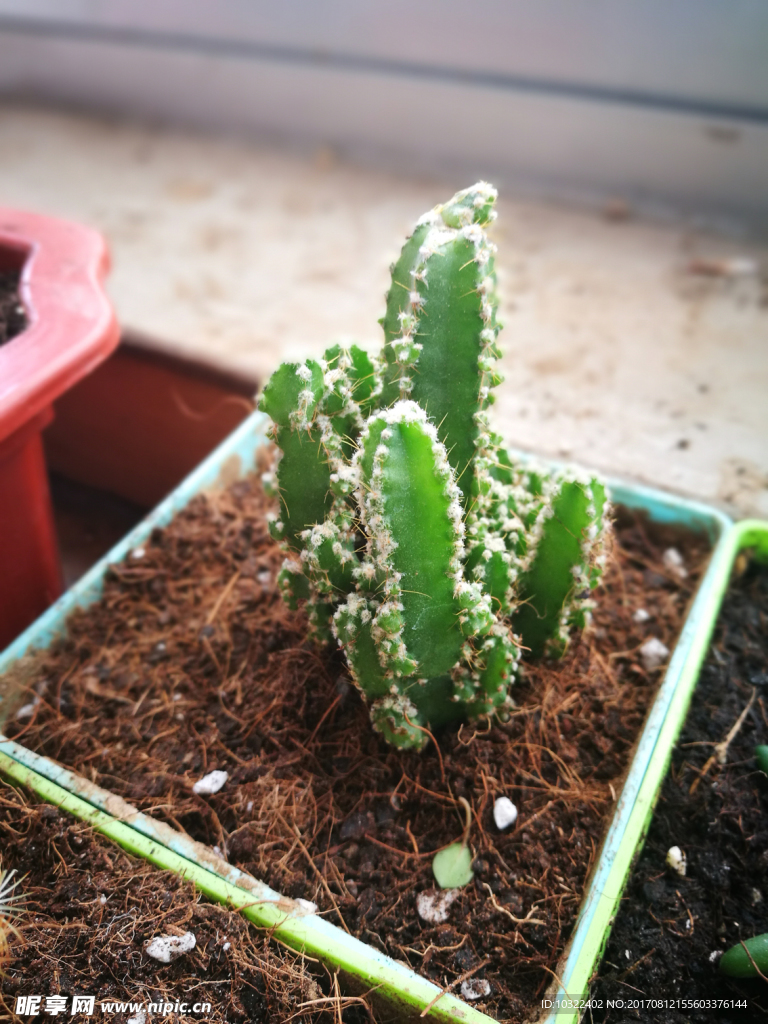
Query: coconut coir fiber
{"points": [[87, 910], [190, 662]]}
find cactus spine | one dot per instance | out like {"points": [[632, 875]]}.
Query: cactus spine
{"points": [[410, 533]]}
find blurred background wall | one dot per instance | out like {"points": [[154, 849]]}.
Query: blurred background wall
{"points": [[661, 103], [255, 167]]}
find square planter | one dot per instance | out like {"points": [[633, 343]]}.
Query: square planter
{"points": [[71, 329], [365, 967]]}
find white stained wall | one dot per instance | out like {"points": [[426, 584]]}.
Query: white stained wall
{"points": [[663, 103], [619, 352]]}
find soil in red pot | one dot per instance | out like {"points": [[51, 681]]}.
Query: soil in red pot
{"points": [[13, 318], [671, 931], [190, 662]]}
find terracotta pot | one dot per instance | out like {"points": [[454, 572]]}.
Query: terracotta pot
{"points": [[71, 329]]}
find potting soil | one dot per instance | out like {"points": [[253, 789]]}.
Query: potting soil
{"points": [[88, 913], [672, 930], [190, 663], [13, 318]]}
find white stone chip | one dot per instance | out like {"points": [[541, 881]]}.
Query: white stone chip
{"points": [[26, 710], [210, 783], [139, 1018], [673, 560], [167, 947], [676, 859], [475, 988], [641, 615], [433, 905], [715, 955], [307, 905], [138, 552], [504, 813], [653, 653]]}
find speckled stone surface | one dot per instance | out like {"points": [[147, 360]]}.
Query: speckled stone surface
{"points": [[638, 348]]}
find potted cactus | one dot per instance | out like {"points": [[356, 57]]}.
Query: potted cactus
{"points": [[410, 535], [440, 566]]}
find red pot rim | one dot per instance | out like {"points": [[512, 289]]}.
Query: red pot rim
{"points": [[72, 326]]}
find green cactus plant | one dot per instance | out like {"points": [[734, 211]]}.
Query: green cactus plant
{"points": [[411, 536]]}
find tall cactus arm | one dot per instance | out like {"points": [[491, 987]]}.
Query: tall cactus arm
{"points": [[412, 514], [304, 474], [398, 307], [563, 566], [442, 350], [351, 381]]}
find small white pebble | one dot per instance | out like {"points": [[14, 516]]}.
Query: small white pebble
{"points": [[102, 900], [139, 1018], [504, 813], [653, 653], [715, 955], [217, 851], [210, 783], [673, 560], [757, 897], [167, 947], [308, 905], [676, 859], [249, 807], [641, 615], [26, 710], [432, 906], [138, 552], [226, 946], [264, 577], [475, 988], [627, 954]]}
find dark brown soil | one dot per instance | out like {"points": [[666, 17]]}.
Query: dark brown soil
{"points": [[191, 663], [13, 318], [88, 909], [671, 930]]}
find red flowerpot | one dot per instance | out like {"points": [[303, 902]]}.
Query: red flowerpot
{"points": [[71, 329]]}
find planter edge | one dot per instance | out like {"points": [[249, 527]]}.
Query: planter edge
{"points": [[237, 454]]}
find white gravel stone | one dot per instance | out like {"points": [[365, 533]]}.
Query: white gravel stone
{"points": [[167, 947], [641, 615], [307, 905], [26, 710], [653, 653], [139, 1018], [676, 859], [210, 783], [504, 813], [433, 905], [475, 988], [673, 560]]}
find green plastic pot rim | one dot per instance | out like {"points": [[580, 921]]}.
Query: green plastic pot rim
{"points": [[747, 534], [285, 919], [234, 457]]}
